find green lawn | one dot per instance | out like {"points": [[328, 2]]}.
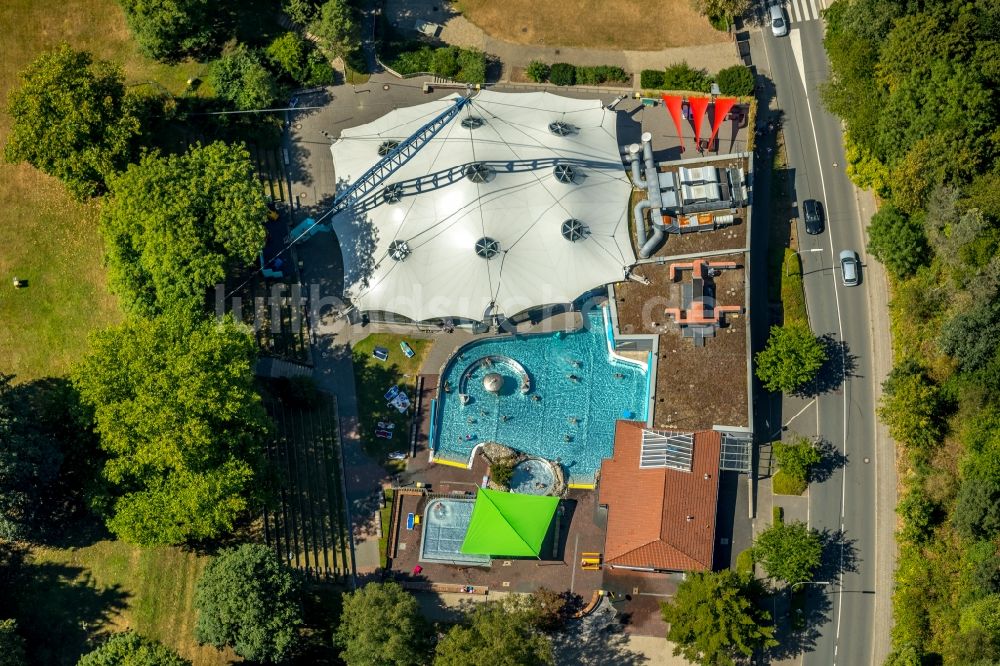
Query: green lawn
{"points": [[785, 484], [47, 238], [793, 297], [372, 378], [77, 594], [386, 515]]}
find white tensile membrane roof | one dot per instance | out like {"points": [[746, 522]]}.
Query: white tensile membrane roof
{"points": [[551, 234]]}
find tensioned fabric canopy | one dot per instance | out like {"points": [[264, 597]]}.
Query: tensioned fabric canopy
{"points": [[508, 524], [521, 200]]}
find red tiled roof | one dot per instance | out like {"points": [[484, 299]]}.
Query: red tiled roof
{"points": [[648, 509]]}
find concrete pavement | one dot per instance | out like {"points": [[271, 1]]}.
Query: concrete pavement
{"points": [[853, 506]]}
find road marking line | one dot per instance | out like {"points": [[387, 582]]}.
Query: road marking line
{"points": [[797, 50], [808, 405]]}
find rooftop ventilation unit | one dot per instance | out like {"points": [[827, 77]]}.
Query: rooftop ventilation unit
{"points": [[478, 172], [392, 193], [472, 122], [574, 230], [663, 448], [559, 128], [487, 248], [399, 250], [564, 173], [387, 147]]}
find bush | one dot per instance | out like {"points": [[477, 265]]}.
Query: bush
{"points": [[736, 80], [777, 514], [502, 472], [919, 514], [783, 483], [681, 76], [562, 74], [297, 59], [744, 561], [445, 62], [898, 241], [537, 71], [797, 458], [719, 22], [472, 66], [413, 61], [651, 79], [793, 295], [600, 74], [240, 77], [912, 407]]}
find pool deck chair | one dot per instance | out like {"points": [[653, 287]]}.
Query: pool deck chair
{"points": [[407, 349], [381, 353], [409, 521], [391, 393]]}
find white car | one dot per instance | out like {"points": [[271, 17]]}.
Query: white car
{"points": [[850, 267], [779, 22]]}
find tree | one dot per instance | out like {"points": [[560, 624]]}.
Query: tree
{"points": [[908, 655], [240, 77], [301, 11], [736, 80], [381, 624], [182, 425], [336, 28], [972, 337], [11, 645], [174, 226], [797, 457], [792, 358], [912, 407], [497, 634], [977, 507], [714, 621], [983, 615], [537, 71], [72, 119], [550, 609], [898, 241], [299, 60], [789, 551], [248, 600], [131, 649], [919, 515], [168, 30]]}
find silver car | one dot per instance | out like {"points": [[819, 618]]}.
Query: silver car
{"points": [[850, 268], [779, 22]]}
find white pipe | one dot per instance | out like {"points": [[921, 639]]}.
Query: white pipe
{"points": [[652, 185], [640, 222]]}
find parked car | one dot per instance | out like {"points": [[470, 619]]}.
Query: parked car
{"points": [[850, 268], [779, 22], [812, 211]]}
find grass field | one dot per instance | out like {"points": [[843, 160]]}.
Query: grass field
{"points": [[78, 594], [47, 238], [372, 378], [622, 24]]}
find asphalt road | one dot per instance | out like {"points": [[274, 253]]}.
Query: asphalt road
{"points": [[847, 505]]}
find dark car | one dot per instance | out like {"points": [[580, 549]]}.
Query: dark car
{"points": [[812, 211]]}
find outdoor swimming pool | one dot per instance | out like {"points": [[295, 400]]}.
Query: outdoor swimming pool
{"points": [[445, 523], [555, 396]]}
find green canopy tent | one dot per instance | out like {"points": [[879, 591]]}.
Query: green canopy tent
{"points": [[508, 524]]}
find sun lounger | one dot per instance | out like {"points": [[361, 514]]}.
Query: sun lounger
{"points": [[386, 425], [392, 393], [397, 455], [383, 434], [409, 521], [381, 353], [406, 349]]}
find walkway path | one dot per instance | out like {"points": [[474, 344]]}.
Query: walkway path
{"points": [[461, 32]]}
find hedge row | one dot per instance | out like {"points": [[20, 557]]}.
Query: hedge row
{"points": [[735, 80], [466, 65], [565, 74]]}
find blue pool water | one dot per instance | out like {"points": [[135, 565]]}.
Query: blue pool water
{"points": [[581, 391]]}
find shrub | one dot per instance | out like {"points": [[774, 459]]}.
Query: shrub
{"points": [[919, 514], [651, 79], [299, 60], [472, 66], [412, 60], [600, 74], [736, 80], [681, 76], [783, 483], [912, 407], [562, 74], [898, 241], [720, 22], [240, 77], [797, 458], [744, 561], [537, 71], [777, 514], [445, 62], [502, 472]]}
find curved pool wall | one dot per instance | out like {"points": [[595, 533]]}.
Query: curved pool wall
{"points": [[533, 476], [445, 523], [572, 422]]}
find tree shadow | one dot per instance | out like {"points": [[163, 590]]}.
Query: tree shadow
{"points": [[595, 640], [799, 618], [62, 612], [840, 555], [832, 460], [840, 365]]}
